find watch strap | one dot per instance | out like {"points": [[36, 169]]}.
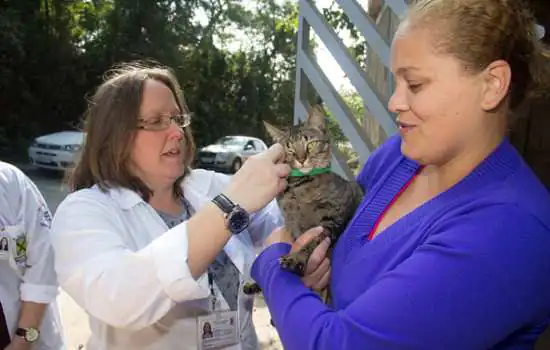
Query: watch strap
{"points": [[225, 204], [236, 218]]}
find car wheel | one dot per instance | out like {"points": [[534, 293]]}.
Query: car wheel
{"points": [[237, 163]]}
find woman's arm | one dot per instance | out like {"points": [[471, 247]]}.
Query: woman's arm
{"points": [[477, 279], [39, 286], [130, 289], [266, 226], [121, 287], [253, 187], [263, 222]]}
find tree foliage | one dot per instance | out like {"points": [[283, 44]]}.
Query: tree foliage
{"points": [[236, 63]]}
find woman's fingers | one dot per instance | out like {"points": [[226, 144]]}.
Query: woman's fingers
{"points": [[318, 256], [260, 179], [274, 153], [315, 278], [323, 281]]}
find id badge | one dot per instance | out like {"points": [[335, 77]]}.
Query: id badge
{"points": [[5, 243], [217, 330]]}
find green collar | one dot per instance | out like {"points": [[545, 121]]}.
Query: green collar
{"points": [[313, 172]]}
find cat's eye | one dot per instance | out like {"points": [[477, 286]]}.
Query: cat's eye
{"points": [[311, 146]]}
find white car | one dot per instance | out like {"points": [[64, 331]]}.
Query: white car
{"points": [[56, 151], [229, 153]]}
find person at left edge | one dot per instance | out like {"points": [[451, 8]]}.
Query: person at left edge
{"points": [[29, 316]]}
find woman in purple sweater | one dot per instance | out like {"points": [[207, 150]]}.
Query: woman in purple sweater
{"points": [[450, 249]]}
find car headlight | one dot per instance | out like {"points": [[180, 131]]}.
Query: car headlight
{"points": [[72, 148]]}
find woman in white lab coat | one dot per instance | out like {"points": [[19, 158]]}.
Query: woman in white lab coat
{"points": [[29, 318], [155, 252]]}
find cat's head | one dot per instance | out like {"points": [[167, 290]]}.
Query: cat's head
{"points": [[307, 144]]}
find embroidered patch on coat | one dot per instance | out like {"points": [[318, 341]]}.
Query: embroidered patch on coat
{"points": [[44, 215], [20, 254]]}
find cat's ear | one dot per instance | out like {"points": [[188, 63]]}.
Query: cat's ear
{"points": [[275, 133], [316, 118]]}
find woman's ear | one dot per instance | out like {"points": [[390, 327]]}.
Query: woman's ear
{"points": [[496, 84]]}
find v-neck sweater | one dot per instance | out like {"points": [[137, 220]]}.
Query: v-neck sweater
{"points": [[467, 270]]}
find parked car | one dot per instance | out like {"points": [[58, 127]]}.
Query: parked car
{"points": [[56, 151], [229, 153]]}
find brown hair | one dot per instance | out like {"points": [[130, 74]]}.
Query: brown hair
{"points": [[110, 123], [478, 32]]}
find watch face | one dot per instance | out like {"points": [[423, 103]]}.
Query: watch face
{"points": [[32, 335], [238, 220]]}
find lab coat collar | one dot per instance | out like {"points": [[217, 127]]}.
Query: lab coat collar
{"points": [[192, 185]]}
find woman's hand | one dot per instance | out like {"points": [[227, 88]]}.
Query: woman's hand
{"points": [[317, 275], [19, 344], [259, 180]]}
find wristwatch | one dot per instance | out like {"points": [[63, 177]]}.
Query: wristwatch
{"points": [[30, 334], [236, 218]]}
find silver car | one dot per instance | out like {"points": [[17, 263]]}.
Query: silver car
{"points": [[229, 153], [56, 151]]}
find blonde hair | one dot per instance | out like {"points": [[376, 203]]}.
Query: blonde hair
{"points": [[478, 32]]}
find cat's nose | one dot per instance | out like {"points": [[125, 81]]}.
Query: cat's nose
{"points": [[300, 158]]}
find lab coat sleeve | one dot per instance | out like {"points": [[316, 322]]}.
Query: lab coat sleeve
{"points": [[262, 222], [123, 288], [39, 279]]}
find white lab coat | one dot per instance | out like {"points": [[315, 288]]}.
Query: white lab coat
{"points": [[118, 260], [27, 268]]}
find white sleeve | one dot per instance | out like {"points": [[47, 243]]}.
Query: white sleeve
{"points": [[39, 279], [262, 222], [123, 288]]}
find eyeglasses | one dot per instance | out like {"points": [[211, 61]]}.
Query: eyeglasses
{"points": [[162, 122]]}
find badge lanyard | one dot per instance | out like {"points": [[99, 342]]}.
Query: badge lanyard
{"points": [[189, 211], [211, 285]]}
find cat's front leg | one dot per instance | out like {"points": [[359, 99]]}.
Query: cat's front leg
{"points": [[297, 262]]}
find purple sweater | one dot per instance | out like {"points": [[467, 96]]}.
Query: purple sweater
{"points": [[468, 270]]}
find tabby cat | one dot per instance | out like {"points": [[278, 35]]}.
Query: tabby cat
{"points": [[314, 195]]}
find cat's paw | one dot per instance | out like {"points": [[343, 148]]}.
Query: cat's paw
{"points": [[295, 263], [250, 288]]}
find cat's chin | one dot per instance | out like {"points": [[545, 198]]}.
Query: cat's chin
{"points": [[305, 170]]}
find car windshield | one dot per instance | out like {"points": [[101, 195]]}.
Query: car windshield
{"points": [[231, 141]]}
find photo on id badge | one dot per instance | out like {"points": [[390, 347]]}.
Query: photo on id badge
{"points": [[217, 330], [5, 239]]}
